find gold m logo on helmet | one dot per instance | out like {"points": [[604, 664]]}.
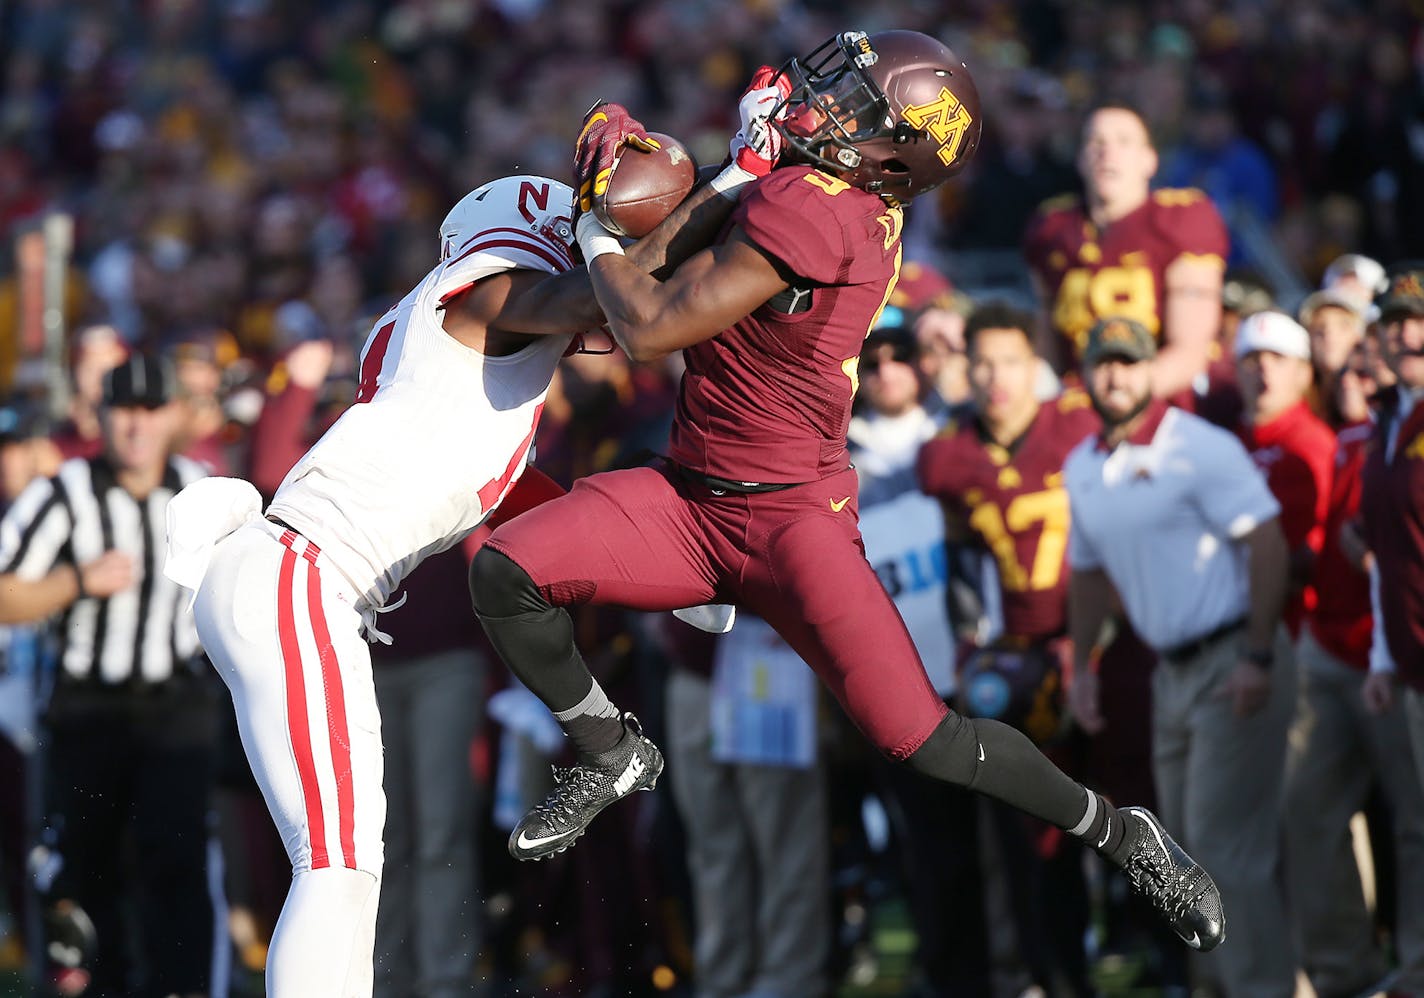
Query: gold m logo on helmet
{"points": [[946, 119]]}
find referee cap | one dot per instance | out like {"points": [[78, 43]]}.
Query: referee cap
{"points": [[1120, 337], [143, 381]]}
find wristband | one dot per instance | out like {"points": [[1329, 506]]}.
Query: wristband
{"points": [[1265, 658], [594, 240], [731, 180]]}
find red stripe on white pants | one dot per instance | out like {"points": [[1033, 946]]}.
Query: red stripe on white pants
{"points": [[337, 731], [297, 704]]}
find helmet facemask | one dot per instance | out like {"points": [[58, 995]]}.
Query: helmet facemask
{"points": [[833, 104]]}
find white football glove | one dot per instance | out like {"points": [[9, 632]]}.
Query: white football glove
{"points": [[757, 146]]}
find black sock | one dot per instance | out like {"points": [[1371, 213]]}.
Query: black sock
{"points": [[1104, 828], [593, 724], [999, 761]]}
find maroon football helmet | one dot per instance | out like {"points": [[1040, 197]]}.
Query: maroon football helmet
{"points": [[895, 113]]}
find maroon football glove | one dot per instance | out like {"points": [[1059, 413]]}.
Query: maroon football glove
{"points": [[607, 130]]}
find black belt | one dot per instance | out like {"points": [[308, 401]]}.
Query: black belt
{"points": [[726, 485], [1178, 654]]}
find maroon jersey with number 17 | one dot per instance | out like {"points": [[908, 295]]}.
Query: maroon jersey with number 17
{"points": [[1014, 502], [768, 400]]}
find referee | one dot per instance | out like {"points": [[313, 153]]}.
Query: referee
{"points": [[131, 717]]}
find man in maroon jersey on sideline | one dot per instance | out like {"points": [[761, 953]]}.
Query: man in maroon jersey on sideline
{"points": [[999, 474], [1126, 250], [757, 503], [999, 478]]}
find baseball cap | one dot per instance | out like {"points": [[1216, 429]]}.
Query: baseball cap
{"points": [[20, 421], [1405, 291], [1332, 298], [143, 380], [1244, 292], [1367, 271], [1274, 332], [1119, 336]]}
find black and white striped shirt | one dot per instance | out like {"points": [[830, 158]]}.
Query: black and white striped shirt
{"points": [[138, 635]]}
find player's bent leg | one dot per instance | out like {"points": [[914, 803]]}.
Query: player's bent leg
{"points": [[534, 637], [623, 538], [999, 761], [319, 945], [536, 640], [817, 589]]}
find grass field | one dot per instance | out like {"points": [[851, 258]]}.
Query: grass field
{"points": [[879, 972]]}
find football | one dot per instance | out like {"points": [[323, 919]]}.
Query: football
{"points": [[645, 187]]}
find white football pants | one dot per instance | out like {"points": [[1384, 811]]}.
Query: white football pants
{"points": [[282, 629]]}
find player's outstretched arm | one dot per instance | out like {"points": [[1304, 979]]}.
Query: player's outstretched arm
{"points": [[542, 305], [719, 285], [526, 302]]}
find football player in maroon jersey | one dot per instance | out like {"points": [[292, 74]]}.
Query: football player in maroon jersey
{"points": [[756, 502], [999, 477], [1000, 474], [1124, 249]]}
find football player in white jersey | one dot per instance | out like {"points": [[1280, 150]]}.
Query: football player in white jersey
{"points": [[452, 383]]}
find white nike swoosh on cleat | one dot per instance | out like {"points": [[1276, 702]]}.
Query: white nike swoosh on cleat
{"points": [[525, 842], [1156, 833]]}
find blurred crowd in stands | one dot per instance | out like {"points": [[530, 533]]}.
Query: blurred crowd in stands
{"points": [[252, 182]]}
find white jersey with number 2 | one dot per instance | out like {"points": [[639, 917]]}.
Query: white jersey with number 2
{"points": [[439, 432]]}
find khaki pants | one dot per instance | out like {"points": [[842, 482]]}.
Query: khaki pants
{"points": [[1219, 780], [1337, 749]]}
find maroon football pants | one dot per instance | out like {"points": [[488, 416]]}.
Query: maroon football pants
{"points": [[647, 539]]}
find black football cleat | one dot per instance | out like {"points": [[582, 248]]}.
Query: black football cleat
{"points": [[1173, 883], [583, 790]]}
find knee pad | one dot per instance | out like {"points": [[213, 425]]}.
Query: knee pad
{"points": [[500, 588], [950, 753]]}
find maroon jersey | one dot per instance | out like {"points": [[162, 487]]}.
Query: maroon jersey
{"points": [[1393, 508], [1015, 503], [1342, 620], [1296, 453], [768, 400], [1089, 273]]}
